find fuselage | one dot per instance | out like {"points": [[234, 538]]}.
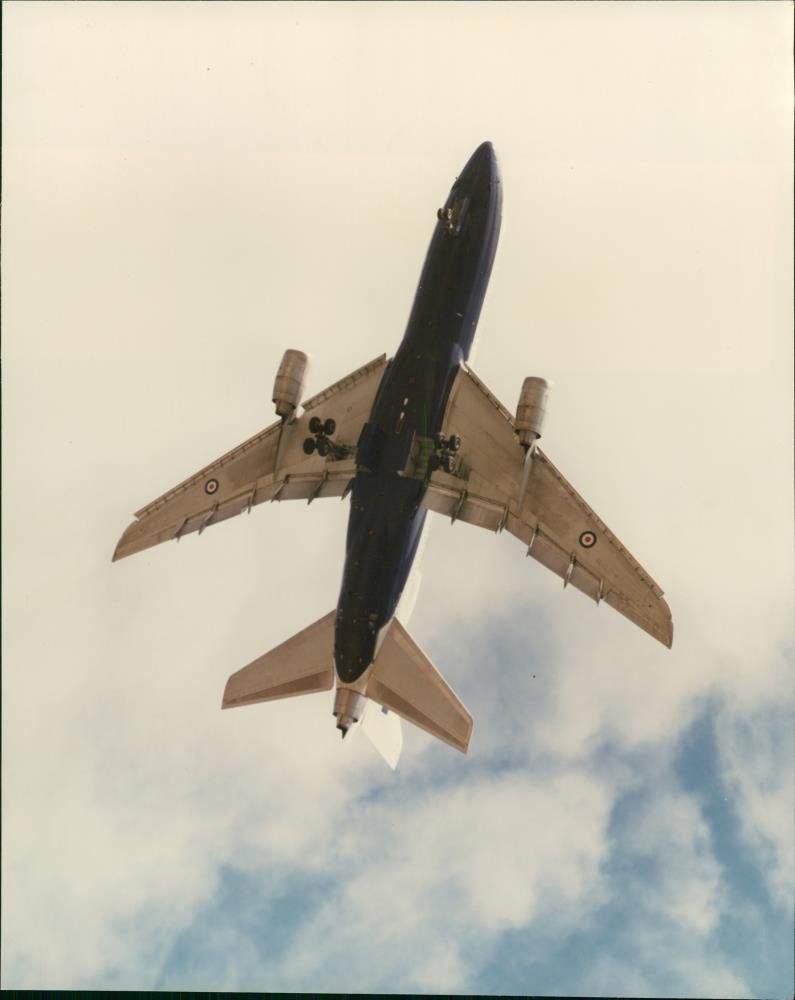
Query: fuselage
{"points": [[387, 517]]}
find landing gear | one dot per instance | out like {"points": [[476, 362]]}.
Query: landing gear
{"points": [[452, 443], [445, 456], [321, 442]]}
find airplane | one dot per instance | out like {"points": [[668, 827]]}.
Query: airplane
{"points": [[403, 436]]}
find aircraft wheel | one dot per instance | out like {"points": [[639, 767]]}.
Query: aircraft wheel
{"points": [[454, 443], [315, 425], [309, 446], [329, 427], [323, 447]]}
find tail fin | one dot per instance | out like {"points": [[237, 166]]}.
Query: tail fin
{"points": [[302, 665], [405, 681], [382, 729]]}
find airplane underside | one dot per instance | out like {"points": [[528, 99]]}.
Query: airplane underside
{"points": [[417, 433]]}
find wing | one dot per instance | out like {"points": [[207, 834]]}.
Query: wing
{"points": [[272, 465], [552, 519]]}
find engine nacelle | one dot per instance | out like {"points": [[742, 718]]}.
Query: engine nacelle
{"points": [[531, 409], [348, 707], [289, 385]]}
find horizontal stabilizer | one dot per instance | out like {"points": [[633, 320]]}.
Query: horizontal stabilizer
{"points": [[405, 681], [302, 665]]}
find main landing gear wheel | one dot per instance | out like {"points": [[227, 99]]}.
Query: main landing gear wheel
{"points": [[329, 427], [315, 425], [309, 446], [323, 447]]}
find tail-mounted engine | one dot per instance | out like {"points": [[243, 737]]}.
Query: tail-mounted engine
{"points": [[289, 385], [348, 707], [530, 411]]}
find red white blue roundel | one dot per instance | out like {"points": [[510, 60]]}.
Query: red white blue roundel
{"points": [[587, 539], [211, 486]]}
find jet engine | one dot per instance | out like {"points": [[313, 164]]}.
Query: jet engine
{"points": [[289, 385], [530, 411]]}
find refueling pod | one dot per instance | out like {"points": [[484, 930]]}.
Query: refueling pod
{"points": [[289, 385], [531, 410]]}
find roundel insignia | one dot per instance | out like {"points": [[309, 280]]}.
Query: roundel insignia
{"points": [[587, 539], [211, 486]]}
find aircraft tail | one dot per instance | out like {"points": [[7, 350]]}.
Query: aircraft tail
{"points": [[303, 664], [402, 680], [382, 729], [405, 681]]}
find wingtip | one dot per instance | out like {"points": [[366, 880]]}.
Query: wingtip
{"points": [[226, 701], [669, 638], [139, 536], [664, 634], [123, 546]]}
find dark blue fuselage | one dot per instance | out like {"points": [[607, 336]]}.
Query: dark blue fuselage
{"points": [[387, 516]]}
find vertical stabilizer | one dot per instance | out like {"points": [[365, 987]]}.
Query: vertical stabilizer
{"points": [[382, 729]]}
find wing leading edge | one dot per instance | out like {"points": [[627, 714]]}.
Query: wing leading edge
{"points": [[558, 527], [271, 465]]}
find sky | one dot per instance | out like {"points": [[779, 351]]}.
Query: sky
{"points": [[190, 189]]}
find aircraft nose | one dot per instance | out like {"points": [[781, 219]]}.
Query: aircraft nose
{"points": [[485, 154], [481, 165]]}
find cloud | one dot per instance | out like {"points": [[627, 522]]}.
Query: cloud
{"points": [[670, 838], [756, 750], [419, 878]]}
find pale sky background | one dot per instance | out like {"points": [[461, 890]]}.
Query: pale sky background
{"points": [[190, 189]]}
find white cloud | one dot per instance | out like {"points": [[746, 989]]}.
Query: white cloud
{"points": [[685, 886], [670, 963], [419, 877], [755, 743], [443, 971]]}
